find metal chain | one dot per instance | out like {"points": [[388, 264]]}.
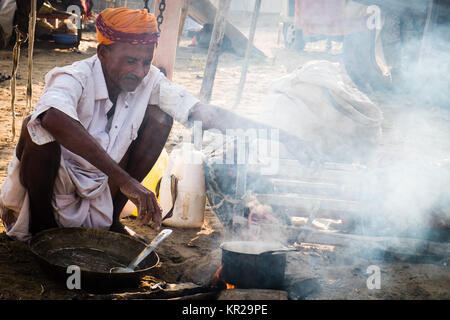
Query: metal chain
{"points": [[146, 5], [160, 18]]}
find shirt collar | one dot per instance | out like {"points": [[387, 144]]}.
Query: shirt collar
{"points": [[101, 91]]}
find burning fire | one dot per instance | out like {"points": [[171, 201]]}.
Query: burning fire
{"points": [[230, 286], [215, 280]]}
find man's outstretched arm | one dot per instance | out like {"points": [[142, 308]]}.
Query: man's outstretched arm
{"points": [[213, 117]]}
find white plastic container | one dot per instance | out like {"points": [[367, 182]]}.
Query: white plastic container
{"points": [[186, 164]]}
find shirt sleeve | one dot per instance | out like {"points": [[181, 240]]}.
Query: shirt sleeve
{"points": [[173, 100], [62, 92]]}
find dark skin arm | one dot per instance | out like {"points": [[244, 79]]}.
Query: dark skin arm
{"points": [[74, 137], [222, 119]]}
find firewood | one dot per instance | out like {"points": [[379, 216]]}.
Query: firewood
{"points": [[252, 294], [306, 202], [199, 296], [395, 245], [170, 291]]}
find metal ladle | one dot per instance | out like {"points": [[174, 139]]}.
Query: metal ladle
{"points": [[144, 253]]}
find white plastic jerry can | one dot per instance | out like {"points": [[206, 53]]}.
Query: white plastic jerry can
{"points": [[182, 189]]}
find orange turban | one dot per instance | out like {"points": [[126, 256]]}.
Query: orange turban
{"points": [[126, 25]]}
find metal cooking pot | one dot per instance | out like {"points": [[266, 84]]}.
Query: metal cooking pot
{"points": [[94, 252], [253, 264]]}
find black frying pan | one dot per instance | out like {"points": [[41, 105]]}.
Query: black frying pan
{"points": [[95, 252]]}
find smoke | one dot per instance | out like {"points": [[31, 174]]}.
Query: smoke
{"points": [[404, 188], [408, 185], [424, 74]]}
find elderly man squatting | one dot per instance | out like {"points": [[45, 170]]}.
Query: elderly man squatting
{"points": [[98, 129]]}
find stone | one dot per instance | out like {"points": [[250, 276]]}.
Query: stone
{"points": [[302, 289]]}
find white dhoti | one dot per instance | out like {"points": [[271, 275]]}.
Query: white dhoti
{"points": [[82, 199]]}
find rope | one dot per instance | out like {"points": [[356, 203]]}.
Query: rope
{"points": [[20, 38], [31, 31]]}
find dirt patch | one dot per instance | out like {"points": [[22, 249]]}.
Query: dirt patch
{"points": [[188, 255]]}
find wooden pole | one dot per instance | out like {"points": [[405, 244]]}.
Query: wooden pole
{"points": [[16, 57], [203, 11], [167, 45], [425, 31], [214, 50], [184, 13], [248, 52], [31, 31]]}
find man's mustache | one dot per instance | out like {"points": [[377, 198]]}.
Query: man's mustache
{"points": [[132, 77]]}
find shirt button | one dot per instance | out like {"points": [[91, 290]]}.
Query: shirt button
{"points": [[126, 106], [115, 127]]}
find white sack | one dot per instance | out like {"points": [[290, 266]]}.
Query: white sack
{"points": [[320, 103], [7, 10]]}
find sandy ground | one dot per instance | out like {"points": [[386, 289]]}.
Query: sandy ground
{"points": [[193, 255]]}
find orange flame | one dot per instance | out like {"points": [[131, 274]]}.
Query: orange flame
{"points": [[215, 279], [216, 275], [230, 286]]}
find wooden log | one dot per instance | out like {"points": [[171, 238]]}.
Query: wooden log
{"points": [[248, 51], [199, 296], [252, 294], [170, 291], [307, 203], [318, 188], [328, 174], [338, 166], [204, 12], [396, 245], [214, 51]]}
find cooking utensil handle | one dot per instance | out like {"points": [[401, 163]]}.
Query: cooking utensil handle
{"points": [[281, 250], [155, 242], [174, 193]]}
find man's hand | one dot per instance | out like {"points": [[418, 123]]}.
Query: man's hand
{"points": [[303, 151], [223, 120], [145, 201]]}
